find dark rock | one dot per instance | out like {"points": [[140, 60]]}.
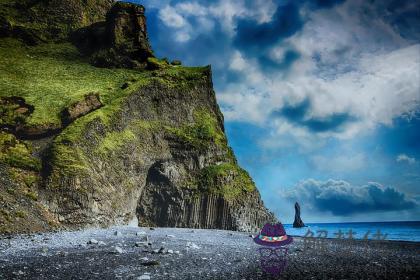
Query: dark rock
{"points": [[36, 21], [121, 41], [90, 103], [298, 221], [176, 62], [150, 263]]}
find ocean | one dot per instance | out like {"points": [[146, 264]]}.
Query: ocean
{"points": [[406, 231]]}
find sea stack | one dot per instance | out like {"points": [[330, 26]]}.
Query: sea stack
{"points": [[298, 223]]}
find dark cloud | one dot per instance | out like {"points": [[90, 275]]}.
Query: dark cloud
{"points": [[324, 3], [253, 38], [343, 199], [300, 114], [404, 17]]}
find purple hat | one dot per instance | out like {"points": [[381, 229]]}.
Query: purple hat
{"points": [[273, 235]]}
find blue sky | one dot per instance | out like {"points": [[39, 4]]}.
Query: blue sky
{"points": [[321, 98]]}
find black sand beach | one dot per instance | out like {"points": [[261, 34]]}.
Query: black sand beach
{"points": [[195, 254]]}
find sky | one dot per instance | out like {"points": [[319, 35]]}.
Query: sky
{"points": [[321, 98]]}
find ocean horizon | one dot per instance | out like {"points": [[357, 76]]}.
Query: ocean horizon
{"points": [[397, 230]]}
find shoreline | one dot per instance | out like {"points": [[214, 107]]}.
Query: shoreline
{"points": [[196, 254]]}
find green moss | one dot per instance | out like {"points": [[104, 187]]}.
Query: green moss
{"points": [[20, 214], [114, 141], [226, 179], [154, 63], [68, 159], [32, 195], [53, 76], [204, 132], [183, 78], [17, 153]]}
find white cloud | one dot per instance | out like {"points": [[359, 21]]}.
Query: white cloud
{"points": [[194, 9], [346, 67], [171, 18], [406, 159]]}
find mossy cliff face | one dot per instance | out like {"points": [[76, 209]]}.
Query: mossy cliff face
{"points": [[86, 146]]}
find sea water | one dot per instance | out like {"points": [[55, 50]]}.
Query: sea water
{"points": [[406, 231]]}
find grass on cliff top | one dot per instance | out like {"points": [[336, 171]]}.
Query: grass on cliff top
{"points": [[53, 76]]}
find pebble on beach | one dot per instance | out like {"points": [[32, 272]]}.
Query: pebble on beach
{"points": [[118, 250]]}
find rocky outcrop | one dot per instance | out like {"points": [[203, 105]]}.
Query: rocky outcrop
{"points": [[152, 148], [37, 21], [166, 202], [298, 223], [90, 103], [120, 41]]}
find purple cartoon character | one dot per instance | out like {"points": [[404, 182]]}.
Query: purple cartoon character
{"points": [[273, 255]]}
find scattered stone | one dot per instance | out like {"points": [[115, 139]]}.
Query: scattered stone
{"points": [[150, 263], [20, 272], [118, 250], [162, 250], [170, 251], [145, 259], [176, 252], [192, 245], [155, 251], [152, 228], [117, 233], [141, 233], [101, 243], [170, 235], [144, 277], [141, 244], [93, 241]]}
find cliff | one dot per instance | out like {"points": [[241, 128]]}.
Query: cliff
{"points": [[96, 131]]}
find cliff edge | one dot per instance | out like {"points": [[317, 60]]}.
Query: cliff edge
{"points": [[96, 131]]}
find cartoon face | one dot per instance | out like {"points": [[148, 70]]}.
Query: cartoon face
{"points": [[273, 260]]}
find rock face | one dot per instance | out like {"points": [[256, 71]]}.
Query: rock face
{"points": [[152, 148], [120, 41], [40, 21], [157, 174], [298, 223]]}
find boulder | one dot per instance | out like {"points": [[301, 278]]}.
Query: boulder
{"points": [[90, 103]]}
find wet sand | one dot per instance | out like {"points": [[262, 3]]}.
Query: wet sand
{"points": [[196, 254]]}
